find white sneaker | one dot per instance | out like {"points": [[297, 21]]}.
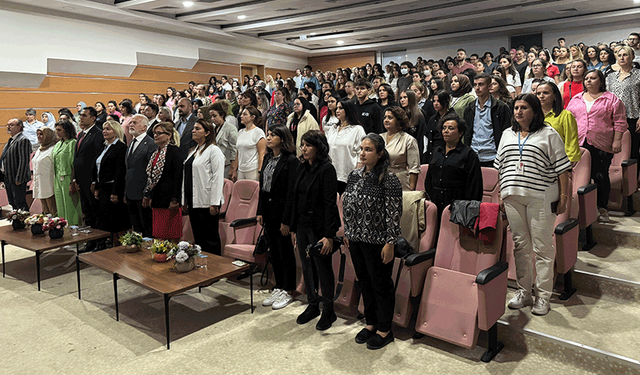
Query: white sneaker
{"points": [[603, 215], [283, 301], [520, 300], [275, 294], [541, 307]]}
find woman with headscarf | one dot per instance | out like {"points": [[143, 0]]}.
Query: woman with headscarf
{"points": [[49, 120], [43, 174], [461, 94], [79, 107], [301, 121]]}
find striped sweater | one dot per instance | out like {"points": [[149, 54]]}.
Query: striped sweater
{"points": [[543, 157]]}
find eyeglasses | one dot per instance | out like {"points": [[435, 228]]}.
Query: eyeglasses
{"points": [[536, 66]]}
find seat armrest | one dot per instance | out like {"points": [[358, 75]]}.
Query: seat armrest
{"points": [[222, 215], [243, 223], [587, 189], [566, 226], [491, 273], [629, 162], [417, 258]]}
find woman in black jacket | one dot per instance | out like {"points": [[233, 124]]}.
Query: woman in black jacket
{"points": [[109, 172], [315, 219], [277, 177], [163, 192]]}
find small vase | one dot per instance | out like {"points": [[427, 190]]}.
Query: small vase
{"points": [[54, 234], [131, 248], [185, 266], [158, 257], [17, 224], [36, 229]]}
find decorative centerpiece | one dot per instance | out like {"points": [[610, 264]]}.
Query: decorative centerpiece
{"points": [[17, 218], [36, 221], [131, 241], [184, 255], [160, 250], [55, 226]]}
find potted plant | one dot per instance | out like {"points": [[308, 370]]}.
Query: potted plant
{"points": [[55, 226], [131, 241], [36, 221], [17, 218], [160, 250], [184, 255]]}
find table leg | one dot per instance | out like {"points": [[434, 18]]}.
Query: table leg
{"points": [[78, 274], [251, 286], [2, 243], [166, 318], [38, 268], [115, 294]]}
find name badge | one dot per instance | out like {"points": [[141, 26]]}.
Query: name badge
{"points": [[520, 168]]}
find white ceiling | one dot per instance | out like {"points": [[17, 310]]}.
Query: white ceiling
{"points": [[314, 27]]}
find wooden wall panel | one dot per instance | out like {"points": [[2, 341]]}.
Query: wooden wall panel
{"points": [[333, 62]]}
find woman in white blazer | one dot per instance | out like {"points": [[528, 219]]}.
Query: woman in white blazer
{"points": [[301, 121], [202, 187], [43, 171]]}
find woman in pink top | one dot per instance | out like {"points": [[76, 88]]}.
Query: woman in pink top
{"points": [[601, 119]]}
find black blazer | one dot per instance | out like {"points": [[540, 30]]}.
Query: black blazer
{"points": [[112, 168], [321, 199], [275, 207], [136, 163], [85, 157], [150, 127], [186, 142], [169, 187]]}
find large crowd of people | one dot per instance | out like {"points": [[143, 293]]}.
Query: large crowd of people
{"points": [[362, 132]]}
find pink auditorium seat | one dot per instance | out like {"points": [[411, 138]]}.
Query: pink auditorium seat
{"points": [[465, 291], [240, 229], [584, 197], [36, 207], [347, 302], [421, 177], [490, 185], [565, 237], [623, 175], [414, 269], [4, 199], [187, 232]]}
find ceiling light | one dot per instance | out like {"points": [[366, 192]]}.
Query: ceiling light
{"points": [[188, 4], [241, 17], [341, 42], [312, 34]]}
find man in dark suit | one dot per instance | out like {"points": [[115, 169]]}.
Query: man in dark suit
{"points": [[138, 155], [89, 146], [150, 111], [185, 124], [14, 163]]}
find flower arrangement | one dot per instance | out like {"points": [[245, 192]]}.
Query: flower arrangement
{"points": [[131, 239], [184, 251], [19, 215], [54, 223], [37, 219], [162, 246]]}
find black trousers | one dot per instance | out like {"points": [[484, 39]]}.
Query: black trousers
{"points": [[376, 284], [17, 195], [342, 186], [205, 230], [600, 163], [140, 217], [90, 206], [320, 268], [282, 257]]}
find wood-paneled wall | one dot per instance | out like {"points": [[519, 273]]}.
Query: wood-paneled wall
{"points": [[60, 90], [333, 62]]}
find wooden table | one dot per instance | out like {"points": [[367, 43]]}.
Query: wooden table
{"points": [[159, 278], [24, 239]]}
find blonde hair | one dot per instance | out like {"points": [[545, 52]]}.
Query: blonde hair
{"points": [[169, 128], [116, 129]]}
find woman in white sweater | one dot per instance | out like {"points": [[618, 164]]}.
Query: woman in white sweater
{"points": [[43, 171], [301, 121]]}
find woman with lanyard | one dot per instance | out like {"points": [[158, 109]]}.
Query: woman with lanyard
{"points": [[534, 174], [372, 206], [573, 85], [202, 188], [625, 84]]}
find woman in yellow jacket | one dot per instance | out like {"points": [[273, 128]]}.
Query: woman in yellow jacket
{"points": [[301, 121]]}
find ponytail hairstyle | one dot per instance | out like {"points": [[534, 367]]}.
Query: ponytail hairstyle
{"points": [[381, 169]]}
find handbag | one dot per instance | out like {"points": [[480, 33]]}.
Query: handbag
{"points": [[401, 250], [314, 250], [262, 244]]}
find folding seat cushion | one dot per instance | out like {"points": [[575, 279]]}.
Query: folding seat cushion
{"points": [[490, 185], [623, 176], [242, 205]]}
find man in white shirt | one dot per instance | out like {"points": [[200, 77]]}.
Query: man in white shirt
{"points": [[298, 79], [31, 127], [225, 84]]}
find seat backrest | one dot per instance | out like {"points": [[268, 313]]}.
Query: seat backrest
{"points": [[36, 207], [227, 188], [490, 185], [421, 177], [625, 153], [428, 237], [244, 200], [459, 251]]}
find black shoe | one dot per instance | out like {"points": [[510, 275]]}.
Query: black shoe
{"points": [[326, 320], [378, 342], [364, 335], [309, 313]]}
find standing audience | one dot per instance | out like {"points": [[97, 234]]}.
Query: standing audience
{"points": [[43, 173]]}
